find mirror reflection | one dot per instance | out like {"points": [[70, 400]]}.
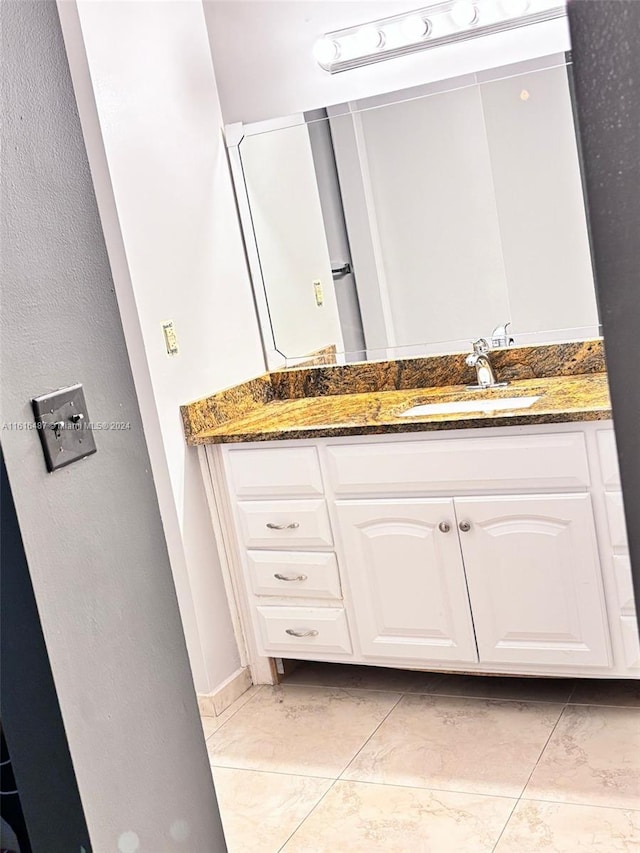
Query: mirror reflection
{"points": [[418, 221]]}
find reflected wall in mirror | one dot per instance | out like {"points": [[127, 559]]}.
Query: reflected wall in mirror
{"points": [[418, 221]]}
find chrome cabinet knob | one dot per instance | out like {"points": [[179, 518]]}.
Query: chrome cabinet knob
{"points": [[465, 526], [444, 527], [291, 526], [293, 633], [290, 577]]}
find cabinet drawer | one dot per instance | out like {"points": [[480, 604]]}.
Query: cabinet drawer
{"points": [[267, 472], [500, 462], [608, 454], [294, 574], [295, 629], [284, 524], [615, 514]]}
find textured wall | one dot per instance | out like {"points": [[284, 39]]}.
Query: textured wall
{"points": [[92, 532]]}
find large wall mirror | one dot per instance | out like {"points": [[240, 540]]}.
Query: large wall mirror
{"points": [[415, 222]]}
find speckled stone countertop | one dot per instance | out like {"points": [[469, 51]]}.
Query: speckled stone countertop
{"points": [[368, 398]]}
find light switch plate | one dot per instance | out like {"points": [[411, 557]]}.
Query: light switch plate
{"points": [[64, 426]]}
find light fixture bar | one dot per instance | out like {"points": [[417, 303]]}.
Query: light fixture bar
{"points": [[432, 26]]}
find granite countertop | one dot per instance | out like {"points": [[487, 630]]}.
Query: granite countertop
{"points": [[576, 397]]}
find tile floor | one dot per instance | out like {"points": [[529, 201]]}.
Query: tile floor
{"points": [[349, 758]]}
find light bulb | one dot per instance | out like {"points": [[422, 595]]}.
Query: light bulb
{"points": [[415, 27], [326, 51], [513, 8], [464, 13], [369, 39]]}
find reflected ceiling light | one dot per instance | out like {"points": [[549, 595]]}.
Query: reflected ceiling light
{"points": [[415, 27], [464, 14], [326, 51], [439, 24], [369, 38]]}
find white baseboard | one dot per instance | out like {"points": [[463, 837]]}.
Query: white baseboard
{"points": [[214, 703]]}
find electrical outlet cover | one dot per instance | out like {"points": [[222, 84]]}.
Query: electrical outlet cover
{"points": [[64, 426]]}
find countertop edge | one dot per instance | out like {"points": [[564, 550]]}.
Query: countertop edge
{"points": [[426, 425]]}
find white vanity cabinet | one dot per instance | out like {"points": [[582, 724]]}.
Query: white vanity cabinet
{"points": [[485, 550], [525, 566]]}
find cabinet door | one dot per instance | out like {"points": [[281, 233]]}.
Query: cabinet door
{"points": [[534, 579], [406, 579]]}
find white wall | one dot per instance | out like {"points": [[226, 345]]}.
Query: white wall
{"points": [[148, 102], [429, 200], [541, 207], [262, 52]]}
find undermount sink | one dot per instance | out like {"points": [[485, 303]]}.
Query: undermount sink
{"points": [[499, 404]]}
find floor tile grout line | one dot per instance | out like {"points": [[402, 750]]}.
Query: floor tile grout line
{"points": [[386, 716], [231, 716], [431, 789], [542, 751], [506, 824], [463, 792], [579, 805], [307, 816], [528, 779], [273, 772]]}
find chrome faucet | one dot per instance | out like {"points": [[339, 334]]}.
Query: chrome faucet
{"points": [[479, 359]]}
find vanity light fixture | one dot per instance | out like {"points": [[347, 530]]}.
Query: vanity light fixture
{"points": [[439, 24]]}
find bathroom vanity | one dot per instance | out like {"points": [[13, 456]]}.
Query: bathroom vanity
{"points": [[444, 541], [379, 510]]}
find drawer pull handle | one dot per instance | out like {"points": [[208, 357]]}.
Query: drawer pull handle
{"points": [[293, 525], [310, 633], [465, 526], [290, 577], [444, 527]]}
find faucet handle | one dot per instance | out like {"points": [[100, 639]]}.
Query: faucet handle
{"points": [[480, 346], [500, 337]]}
